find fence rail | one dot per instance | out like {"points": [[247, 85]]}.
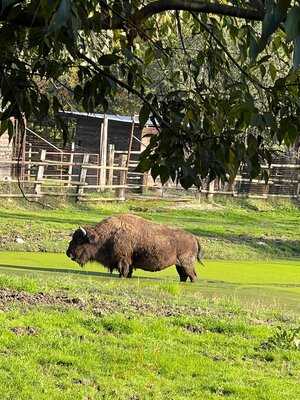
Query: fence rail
{"points": [[80, 175]]}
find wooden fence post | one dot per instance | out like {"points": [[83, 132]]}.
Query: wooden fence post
{"points": [[103, 152], [29, 161], [120, 191], [129, 146], [145, 182], [298, 186], [111, 160], [83, 173], [211, 190], [70, 171], [40, 174]]}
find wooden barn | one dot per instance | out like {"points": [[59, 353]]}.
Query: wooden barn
{"points": [[97, 134], [87, 136]]}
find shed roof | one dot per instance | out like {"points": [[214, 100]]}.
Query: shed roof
{"points": [[126, 119]]}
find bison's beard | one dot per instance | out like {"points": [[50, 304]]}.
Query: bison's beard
{"points": [[82, 258]]}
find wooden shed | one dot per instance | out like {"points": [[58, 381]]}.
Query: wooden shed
{"points": [[88, 131], [95, 134]]}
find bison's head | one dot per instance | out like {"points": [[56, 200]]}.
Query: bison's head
{"points": [[82, 246]]}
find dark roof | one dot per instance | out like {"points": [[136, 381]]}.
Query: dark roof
{"points": [[126, 119]]}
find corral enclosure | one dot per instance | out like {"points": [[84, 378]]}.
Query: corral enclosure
{"points": [[102, 157]]}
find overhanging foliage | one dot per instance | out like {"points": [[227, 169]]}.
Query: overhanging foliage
{"points": [[219, 83]]}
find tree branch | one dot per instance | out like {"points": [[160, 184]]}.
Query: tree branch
{"points": [[102, 21], [202, 6]]}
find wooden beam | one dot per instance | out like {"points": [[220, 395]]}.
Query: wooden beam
{"points": [[103, 152]]}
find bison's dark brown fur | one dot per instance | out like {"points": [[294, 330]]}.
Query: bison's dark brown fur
{"points": [[126, 241]]}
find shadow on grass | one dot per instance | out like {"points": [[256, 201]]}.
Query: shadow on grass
{"points": [[74, 271], [272, 246], [58, 270]]}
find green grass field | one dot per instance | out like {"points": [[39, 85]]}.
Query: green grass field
{"points": [[228, 230], [72, 333], [273, 282]]}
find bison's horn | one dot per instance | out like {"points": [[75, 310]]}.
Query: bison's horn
{"points": [[83, 231]]}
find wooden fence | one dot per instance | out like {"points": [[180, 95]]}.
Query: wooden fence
{"points": [[69, 174], [85, 177]]}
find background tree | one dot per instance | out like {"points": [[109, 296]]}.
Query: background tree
{"points": [[220, 91]]}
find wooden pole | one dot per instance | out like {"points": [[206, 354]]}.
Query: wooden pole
{"points": [[40, 173], [145, 181], [298, 186], [211, 190], [83, 173], [70, 171], [103, 152], [111, 160], [130, 145], [99, 158], [23, 141], [29, 159], [120, 191]]}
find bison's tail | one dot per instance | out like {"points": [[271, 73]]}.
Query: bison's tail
{"points": [[200, 253]]}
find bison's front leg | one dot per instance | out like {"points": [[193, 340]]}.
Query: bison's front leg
{"points": [[124, 269], [130, 272]]}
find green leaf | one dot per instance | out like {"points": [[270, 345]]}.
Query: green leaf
{"points": [[262, 70], [10, 130], [144, 115], [44, 105], [149, 56], [291, 135], [109, 59], [187, 181], [296, 55], [78, 93], [274, 15], [272, 71], [3, 126], [155, 171], [264, 59], [164, 174], [252, 144], [144, 165], [292, 23], [56, 105]]}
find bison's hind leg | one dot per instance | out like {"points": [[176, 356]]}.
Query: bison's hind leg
{"points": [[182, 273], [192, 274], [186, 271]]}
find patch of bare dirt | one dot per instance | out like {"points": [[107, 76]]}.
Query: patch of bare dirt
{"points": [[8, 296], [24, 330], [194, 329], [195, 205], [98, 306]]}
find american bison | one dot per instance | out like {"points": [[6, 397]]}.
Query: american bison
{"points": [[125, 242]]}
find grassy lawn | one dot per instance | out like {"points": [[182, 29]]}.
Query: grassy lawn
{"points": [[229, 230], [272, 282], [71, 333]]}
